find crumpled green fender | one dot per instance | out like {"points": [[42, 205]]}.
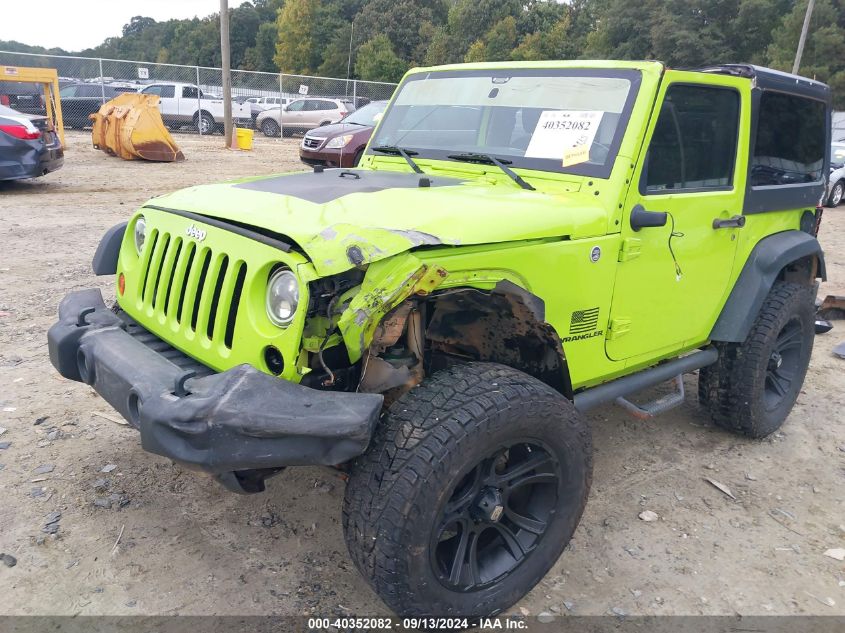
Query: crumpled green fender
{"points": [[387, 284]]}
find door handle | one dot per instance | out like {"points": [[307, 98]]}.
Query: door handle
{"points": [[736, 222]]}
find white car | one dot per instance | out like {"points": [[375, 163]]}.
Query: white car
{"points": [[302, 115], [265, 103], [185, 104], [836, 180]]}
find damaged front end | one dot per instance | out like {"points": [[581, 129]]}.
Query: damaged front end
{"points": [[410, 317], [370, 338]]}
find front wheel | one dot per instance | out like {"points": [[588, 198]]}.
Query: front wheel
{"points": [[836, 194], [269, 127], [470, 490]]}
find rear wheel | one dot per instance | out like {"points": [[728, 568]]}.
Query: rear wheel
{"points": [[754, 385], [204, 123], [836, 194], [470, 490], [269, 127]]}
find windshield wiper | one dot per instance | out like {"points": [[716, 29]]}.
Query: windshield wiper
{"points": [[404, 153], [485, 159]]}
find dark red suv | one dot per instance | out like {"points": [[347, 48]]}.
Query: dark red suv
{"points": [[341, 144]]}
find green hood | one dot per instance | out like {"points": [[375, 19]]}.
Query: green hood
{"points": [[344, 220]]}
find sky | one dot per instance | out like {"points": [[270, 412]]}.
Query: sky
{"points": [[78, 24]]}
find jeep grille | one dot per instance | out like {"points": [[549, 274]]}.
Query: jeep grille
{"points": [[197, 288]]}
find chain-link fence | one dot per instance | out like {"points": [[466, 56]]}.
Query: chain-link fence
{"points": [[277, 104]]}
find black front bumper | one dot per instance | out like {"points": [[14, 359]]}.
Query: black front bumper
{"points": [[237, 420]]}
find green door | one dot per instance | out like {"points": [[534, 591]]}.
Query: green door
{"points": [[672, 278]]}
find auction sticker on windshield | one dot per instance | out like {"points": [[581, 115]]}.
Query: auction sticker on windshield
{"points": [[564, 135]]}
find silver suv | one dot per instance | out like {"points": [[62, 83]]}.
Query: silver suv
{"points": [[302, 115]]}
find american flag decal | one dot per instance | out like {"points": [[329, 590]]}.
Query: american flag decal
{"points": [[584, 321]]}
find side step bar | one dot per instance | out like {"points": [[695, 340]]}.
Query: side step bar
{"points": [[656, 407], [621, 387]]}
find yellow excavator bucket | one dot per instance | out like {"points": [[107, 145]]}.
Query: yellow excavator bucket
{"points": [[130, 126]]}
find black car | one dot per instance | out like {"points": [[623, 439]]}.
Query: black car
{"points": [[81, 99], [29, 147], [22, 96]]}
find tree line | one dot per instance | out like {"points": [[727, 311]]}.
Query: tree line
{"points": [[381, 39]]}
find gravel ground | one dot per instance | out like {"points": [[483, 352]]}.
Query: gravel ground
{"points": [[98, 526]]}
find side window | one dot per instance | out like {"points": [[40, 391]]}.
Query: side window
{"points": [[67, 92], [327, 105], [296, 106], [190, 92], [90, 91], [152, 90], [694, 142], [790, 140], [167, 92], [311, 105]]}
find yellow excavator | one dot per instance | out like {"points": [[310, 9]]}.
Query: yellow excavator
{"points": [[130, 126]]}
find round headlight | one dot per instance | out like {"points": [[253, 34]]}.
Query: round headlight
{"points": [[282, 297], [140, 233]]}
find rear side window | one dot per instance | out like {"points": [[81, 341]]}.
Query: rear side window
{"points": [[693, 146], [162, 91], [790, 143], [189, 92], [89, 91]]}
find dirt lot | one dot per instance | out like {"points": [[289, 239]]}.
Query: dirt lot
{"points": [[186, 546]]}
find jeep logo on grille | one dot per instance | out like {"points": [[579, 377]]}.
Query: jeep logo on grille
{"points": [[194, 232]]}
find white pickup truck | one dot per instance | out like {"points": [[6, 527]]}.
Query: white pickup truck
{"points": [[185, 104]]}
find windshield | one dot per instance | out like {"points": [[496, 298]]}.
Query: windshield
{"points": [[837, 153], [368, 115], [565, 120]]}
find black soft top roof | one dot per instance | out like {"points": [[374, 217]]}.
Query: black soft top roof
{"points": [[770, 79]]}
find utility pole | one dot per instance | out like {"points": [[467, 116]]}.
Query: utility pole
{"points": [[803, 38], [349, 60], [227, 72]]}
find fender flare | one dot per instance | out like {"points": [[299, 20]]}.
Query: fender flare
{"points": [[105, 258], [768, 258]]}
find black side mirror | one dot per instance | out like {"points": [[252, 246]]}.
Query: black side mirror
{"points": [[640, 218]]}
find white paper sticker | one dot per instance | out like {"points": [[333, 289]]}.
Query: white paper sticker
{"points": [[564, 135]]}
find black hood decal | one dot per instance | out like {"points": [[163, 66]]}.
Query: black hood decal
{"points": [[331, 184]]}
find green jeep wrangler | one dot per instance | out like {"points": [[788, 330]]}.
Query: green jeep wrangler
{"points": [[521, 242]]}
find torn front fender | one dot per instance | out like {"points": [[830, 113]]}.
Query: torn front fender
{"points": [[361, 245], [387, 284]]}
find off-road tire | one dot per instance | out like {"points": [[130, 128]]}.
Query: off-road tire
{"points": [[424, 446], [739, 390], [270, 128]]}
